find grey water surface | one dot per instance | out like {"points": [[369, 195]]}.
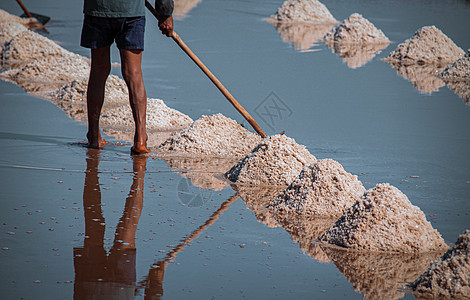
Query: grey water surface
{"points": [[56, 196]]}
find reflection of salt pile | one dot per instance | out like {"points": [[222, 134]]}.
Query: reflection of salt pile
{"points": [[305, 230], [277, 160], [428, 45], [159, 116], [384, 220], [423, 77], [203, 172], [311, 11], [356, 40], [182, 7], [461, 88], [214, 135], [302, 36], [457, 77], [324, 188], [256, 198], [379, 276], [449, 276]]}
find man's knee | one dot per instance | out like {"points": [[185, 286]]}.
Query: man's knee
{"points": [[100, 61]]}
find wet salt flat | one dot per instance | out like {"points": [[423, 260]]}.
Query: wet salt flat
{"points": [[195, 236]]}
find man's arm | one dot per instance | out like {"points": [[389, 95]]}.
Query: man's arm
{"points": [[164, 10]]}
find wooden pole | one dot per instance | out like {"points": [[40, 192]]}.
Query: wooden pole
{"points": [[24, 9], [211, 76]]}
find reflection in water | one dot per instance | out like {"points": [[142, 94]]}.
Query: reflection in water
{"points": [[461, 88], [303, 36], [153, 282], [356, 55], [379, 275], [98, 273], [423, 78], [305, 231], [101, 274], [182, 7], [256, 199], [203, 172]]}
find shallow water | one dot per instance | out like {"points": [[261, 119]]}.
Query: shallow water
{"points": [[370, 119]]}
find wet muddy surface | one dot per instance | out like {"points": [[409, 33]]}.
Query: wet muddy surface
{"points": [[75, 222]]}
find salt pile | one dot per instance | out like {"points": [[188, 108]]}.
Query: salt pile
{"points": [[323, 188], [384, 220], [8, 30], [214, 135], [276, 160], [6, 17], [308, 11], [428, 45], [449, 276], [356, 40], [28, 46], [356, 29], [72, 96], [459, 70], [159, 116], [379, 276], [50, 72]]}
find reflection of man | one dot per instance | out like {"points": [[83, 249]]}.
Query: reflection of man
{"points": [[97, 274], [122, 21]]}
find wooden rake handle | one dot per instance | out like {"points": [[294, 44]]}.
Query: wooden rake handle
{"points": [[211, 76], [24, 9]]}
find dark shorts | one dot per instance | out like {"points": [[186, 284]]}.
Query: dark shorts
{"points": [[100, 32]]}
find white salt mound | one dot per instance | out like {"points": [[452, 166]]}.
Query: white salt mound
{"points": [[384, 220], [449, 276], [159, 116], [428, 45], [276, 160], [28, 45], [324, 188], [356, 29], [308, 11], [116, 92], [214, 135], [459, 70], [8, 30], [6, 17], [65, 68]]}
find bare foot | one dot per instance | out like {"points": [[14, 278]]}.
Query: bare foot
{"points": [[96, 142], [139, 149]]}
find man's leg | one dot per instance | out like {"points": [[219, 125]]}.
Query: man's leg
{"points": [[132, 73], [100, 68]]}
